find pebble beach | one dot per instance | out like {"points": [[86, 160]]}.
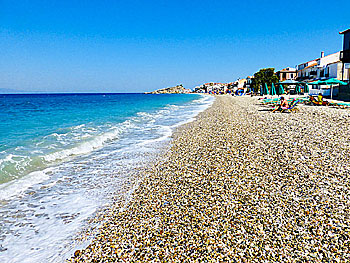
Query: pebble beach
{"points": [[239, 184]]}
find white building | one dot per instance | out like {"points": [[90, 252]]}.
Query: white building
{"points": [[329, 66], [249, 82], [307, 70], [322, 68]]}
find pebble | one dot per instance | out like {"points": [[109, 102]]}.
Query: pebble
{"points": [[239, 184]]}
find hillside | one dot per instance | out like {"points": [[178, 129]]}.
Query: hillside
{"points": [[171, 90]]}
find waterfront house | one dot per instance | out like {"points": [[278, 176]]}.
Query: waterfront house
{"points": [[249, 82], [345, 55], [241, 83], [326, 67], [329, 66], [307, 71], [287, 74], [322, 68]]}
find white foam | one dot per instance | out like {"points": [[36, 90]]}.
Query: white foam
{"points": [[166, 131], [78, 194], [19, 186], [89, 145], [8, 158]]}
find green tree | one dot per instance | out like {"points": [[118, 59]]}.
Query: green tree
{"points": [[265, 75]]}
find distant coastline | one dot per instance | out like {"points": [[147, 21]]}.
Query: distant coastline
{"points": [[178, 89]]}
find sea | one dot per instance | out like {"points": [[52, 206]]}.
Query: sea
{"points": [[64, 157]]}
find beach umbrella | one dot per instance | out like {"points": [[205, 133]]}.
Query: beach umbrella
{"points": [[290, 82], [266, 90], [273, 89], [297, 89], [306, 88], [261, 91], [280, 89], [332, 82], [316, 82]]}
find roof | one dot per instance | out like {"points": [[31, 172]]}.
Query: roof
{"points": [[345, 31], [314, 64], [336, 62], [287, 70], [309, 61]]}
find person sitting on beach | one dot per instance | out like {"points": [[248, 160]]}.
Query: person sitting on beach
{"points": [[283, 105], [320, 98]]}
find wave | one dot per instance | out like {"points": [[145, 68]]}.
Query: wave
{"points": [[88, 146], [14, 166], [19, 186], [143, 128]]}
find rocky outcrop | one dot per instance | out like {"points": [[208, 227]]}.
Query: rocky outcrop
{"points": [[171, 90]]}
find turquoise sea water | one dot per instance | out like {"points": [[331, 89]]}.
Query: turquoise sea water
{"points": [[63, 155]]}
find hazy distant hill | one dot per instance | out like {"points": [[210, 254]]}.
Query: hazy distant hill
{"points": [[11, 91], [176, 89]]}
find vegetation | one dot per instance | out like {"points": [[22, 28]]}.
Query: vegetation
{"points": [[265, 75]]}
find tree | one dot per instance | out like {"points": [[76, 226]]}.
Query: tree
{"points": [[265, 75]]}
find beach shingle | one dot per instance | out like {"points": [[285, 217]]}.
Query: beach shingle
{"points": [[240, 184]]}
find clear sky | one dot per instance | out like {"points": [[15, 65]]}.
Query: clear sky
{"points": [[136, 46]]}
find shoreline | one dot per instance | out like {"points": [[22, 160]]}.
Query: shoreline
{"points": [[97, 162], [239, 183]]}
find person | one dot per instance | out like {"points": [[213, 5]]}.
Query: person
{"points": [[320, 98], [283, 105]]}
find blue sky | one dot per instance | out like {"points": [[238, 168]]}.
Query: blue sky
{"points": [[136, 46]]}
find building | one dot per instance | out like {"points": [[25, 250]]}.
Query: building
{"points": [[287, 74], [329, 66], [345, 55], [307, 70], [249, 83], [321, 68], [240, 83]]}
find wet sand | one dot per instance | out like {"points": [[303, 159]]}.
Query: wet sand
{"points": [[240, 184]]}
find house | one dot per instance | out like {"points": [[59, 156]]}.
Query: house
{"points": [[249, 82], [241, 83], [345, 55], [329, 66], [287, 74], [307, 70], [322, 68]]}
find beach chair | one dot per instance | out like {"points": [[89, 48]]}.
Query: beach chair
{"points": [[315, 102], [341, 105], [291, 108]]}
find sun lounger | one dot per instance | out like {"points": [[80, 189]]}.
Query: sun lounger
{"points": [[342, 105], [268, 101], [291, 108]]}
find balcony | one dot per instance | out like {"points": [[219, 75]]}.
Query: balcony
{"points": [[345, 56]]}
